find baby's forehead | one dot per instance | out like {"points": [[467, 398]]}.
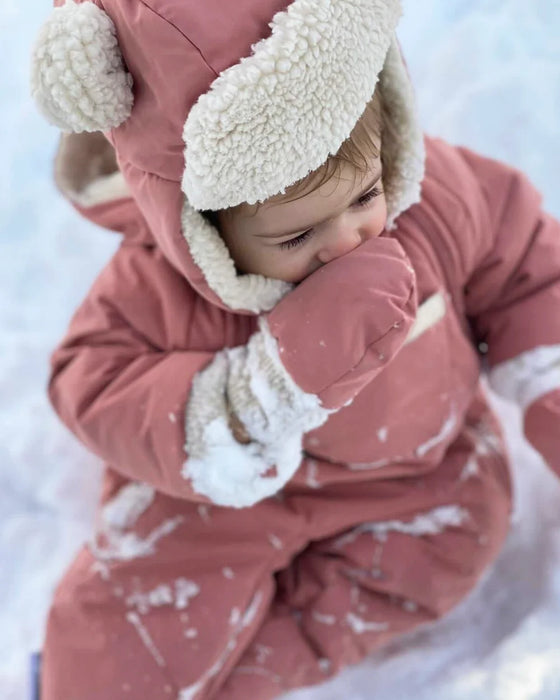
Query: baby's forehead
{"points": [[317, 189], [292, 212]]}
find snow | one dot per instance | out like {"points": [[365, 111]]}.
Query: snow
{"points": [[144, 635], [164, 594], [430, 523], [361, 626], [487, 74], [124, 509]]}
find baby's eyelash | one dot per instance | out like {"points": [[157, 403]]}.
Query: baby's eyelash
{"points": [[298, 240], [364, 200], [368, 196]]}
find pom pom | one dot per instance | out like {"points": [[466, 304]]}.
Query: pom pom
{"points": [[78, 77]]}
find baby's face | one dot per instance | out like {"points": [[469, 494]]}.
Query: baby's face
{"points": [[289, 240]]}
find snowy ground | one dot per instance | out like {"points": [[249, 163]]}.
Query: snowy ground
{"points": [[488, 75]]}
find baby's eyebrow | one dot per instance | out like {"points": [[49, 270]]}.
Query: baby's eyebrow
{"points": [[306, 228]]}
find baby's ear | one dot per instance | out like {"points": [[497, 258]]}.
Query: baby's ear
{"points": [[78, 77]]}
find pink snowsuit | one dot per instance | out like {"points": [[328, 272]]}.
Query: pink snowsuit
{"points": [[177, 594], [402, 495]]}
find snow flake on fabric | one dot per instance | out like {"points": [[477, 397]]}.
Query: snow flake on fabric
{"points": [[234, 616], [115, 541], [239, 622], [470, 469], [324, 619], [252, 610], [184, 591], [262, 653], [144, 635], [99, 567], [204, 512], [258, 671], [123, 546], [275, 541], [432, 522], [311, 474], [485, 439], [446, 431], [178, 595], [360, 626], [362, 466], [486, 442], [192, 691], [124, 509]]}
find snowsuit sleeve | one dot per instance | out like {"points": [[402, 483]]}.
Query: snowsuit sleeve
{"points": [[512, 293], [121, 377], [148, 369]]}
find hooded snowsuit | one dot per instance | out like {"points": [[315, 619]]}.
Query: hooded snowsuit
{"points": [[375, 489]]}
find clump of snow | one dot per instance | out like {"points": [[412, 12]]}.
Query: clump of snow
{"points": [[118, 545], [246, 467]]}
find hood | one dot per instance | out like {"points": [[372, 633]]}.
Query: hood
{"points": [[212, 104], [87, 174]]}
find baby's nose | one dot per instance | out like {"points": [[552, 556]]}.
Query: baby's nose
{"points": [[339, 244]]}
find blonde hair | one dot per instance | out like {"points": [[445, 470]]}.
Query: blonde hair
{"points": [[360, 148]]}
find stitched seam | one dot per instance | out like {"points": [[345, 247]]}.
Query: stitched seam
{"points": [[164, 19]]}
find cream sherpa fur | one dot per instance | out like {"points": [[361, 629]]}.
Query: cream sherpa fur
{"points": [[77, 76], [275, 411], [269, 120]]}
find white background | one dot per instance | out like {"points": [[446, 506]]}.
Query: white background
{"points": [[487, 74]]}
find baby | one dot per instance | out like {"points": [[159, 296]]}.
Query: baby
{"points": [[280, 366]]}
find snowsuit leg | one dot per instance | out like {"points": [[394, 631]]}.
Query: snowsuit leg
{"points": [[347, 595], [163, 607], [204, 603]]}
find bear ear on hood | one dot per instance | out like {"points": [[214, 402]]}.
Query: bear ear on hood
{"points": [[78, 77]]}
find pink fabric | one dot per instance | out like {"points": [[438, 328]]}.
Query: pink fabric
{"points": [[417, 437], [199, 43], [289, 593]]}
